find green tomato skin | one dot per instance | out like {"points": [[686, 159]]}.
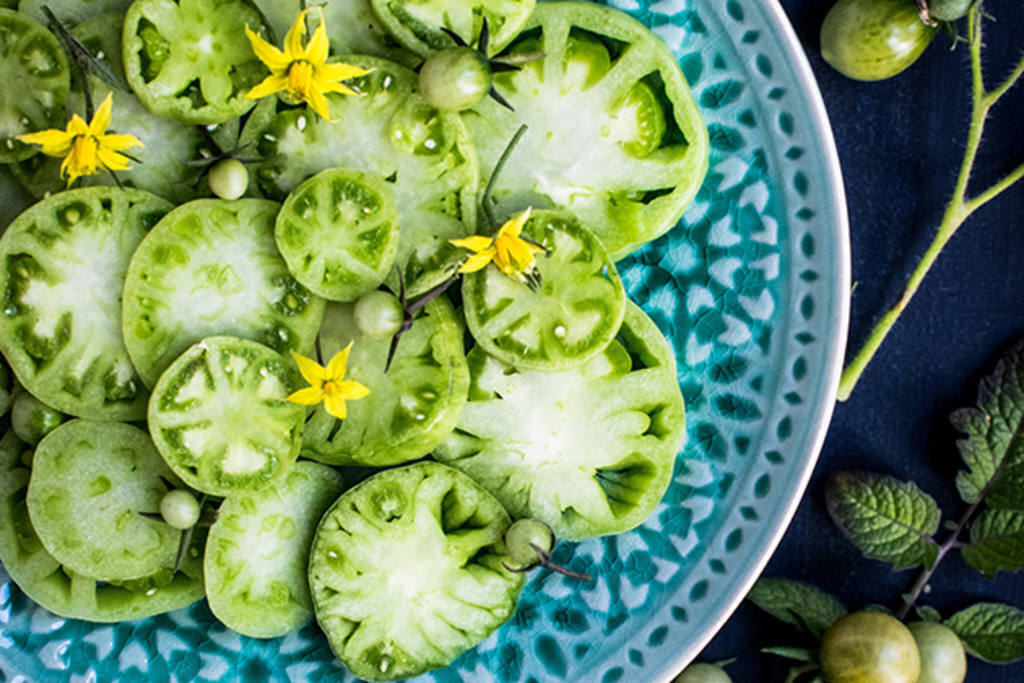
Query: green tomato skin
{"points": [[455, 79], [378, 314], [871, 40], [948, 10], [942, 654], [229, 179], [5, 389], [180, 509], [31, 419], [702, 673], [522, 536], [869, 647]]}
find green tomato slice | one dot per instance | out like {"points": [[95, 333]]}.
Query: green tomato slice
{"points": [[211, 267], [36, 83], [257, 552], [63, 267], [389, 133], [219, 416], [90, 482], [417, 24], [587, 451], [72, 12], [338, 233], [190, 60], [410, 408], [406, 571], [614, 134], [65, 592], [568, 319]]}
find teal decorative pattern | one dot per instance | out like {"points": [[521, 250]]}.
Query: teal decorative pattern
{"points": [[750, 287]]}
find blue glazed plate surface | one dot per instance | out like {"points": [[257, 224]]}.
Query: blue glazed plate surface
{"points": [[752, 290]]}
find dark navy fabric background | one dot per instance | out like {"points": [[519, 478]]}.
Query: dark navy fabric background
{"points": [[900, 144]]}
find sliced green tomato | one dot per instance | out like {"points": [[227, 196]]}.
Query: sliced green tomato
{"points": [[90, 482], [568, 319], [63, 265], [36, 83], [257, 553], [588, 451], [65, 592], [354, 28], [72, 12], [406, 571], [389, 133], [417, 24], [614, 134], [219, 416], [31, 419], [338, 233], [211, 267], [190, 60], [410, 409]]}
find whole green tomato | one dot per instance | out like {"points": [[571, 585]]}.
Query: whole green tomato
{"points": [[942, 654], [702, 673], [455, 79], [869, 647], [870, 40], [948, 10]]}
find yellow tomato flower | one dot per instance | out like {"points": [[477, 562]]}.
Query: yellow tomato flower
{"points": [[302, 72], [86, 147], [513, 255], [327, 384]]}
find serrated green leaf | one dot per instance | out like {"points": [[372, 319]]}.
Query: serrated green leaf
{"points": [[887, 519], [799, 654], [805, 606], [990, 631], [928, 613], [994, 448], [997, 542]]}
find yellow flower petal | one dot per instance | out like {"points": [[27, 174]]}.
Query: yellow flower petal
{"points": [[477, 261], [56, 143], [101, 119], [293, 41], [77, 126], [336, 367], [309, 396], [311, 371], [475, 243], [514, 227], [340, 71], [268, 86], [117, 142], [316, 50], [335, 405], [352, 391], [111, 159], [318, 103], [273, 58]]}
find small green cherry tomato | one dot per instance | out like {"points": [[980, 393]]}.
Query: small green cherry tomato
{"points": [[871, 40], [180, 509], [869, 647], [229, 179], [378, 314], [941, 652], [521, 538], [455, 79], [702, 673], [948, 10], [31, 419]]}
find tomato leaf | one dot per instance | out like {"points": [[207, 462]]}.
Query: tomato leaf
{"points": [[990, 631], [805, 606], [928, 613], [997, 542], [799, 654], [994, 448], [887, 519]]}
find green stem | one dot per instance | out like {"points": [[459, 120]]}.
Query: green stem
{"points": [[957, 211]]}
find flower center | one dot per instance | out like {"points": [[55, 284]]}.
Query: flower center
{"points": [[330, 388], [300, 78], [82, 159]]}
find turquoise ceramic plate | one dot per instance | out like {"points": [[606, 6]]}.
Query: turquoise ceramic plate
{"points": [[752, 289]]}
